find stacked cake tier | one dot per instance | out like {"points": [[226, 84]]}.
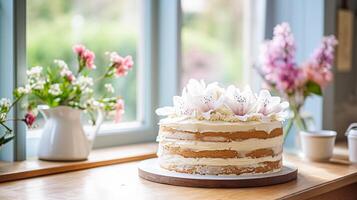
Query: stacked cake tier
{"points": [[220, 148]]}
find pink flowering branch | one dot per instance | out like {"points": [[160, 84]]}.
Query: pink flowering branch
{"points": [[281, 73], [318, 67]]}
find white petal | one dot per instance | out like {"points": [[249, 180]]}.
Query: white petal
{"points": [[284, 105], [165, 111], [264, 94]]}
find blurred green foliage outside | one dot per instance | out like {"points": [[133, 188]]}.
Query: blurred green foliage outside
{"points": [[101, 25]]}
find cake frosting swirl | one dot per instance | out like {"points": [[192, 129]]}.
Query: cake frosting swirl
{"points": [[217, 131]]}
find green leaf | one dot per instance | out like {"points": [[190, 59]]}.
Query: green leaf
{"points": [[314, 88]]}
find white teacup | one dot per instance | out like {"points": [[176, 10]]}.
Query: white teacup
{"points": [[318, 145]]}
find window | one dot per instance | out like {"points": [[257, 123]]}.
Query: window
{"points": [[215, 37], [101, 25], [213, 40]]}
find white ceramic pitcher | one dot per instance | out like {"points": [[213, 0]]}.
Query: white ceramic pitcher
{"points": [[63, 137]]}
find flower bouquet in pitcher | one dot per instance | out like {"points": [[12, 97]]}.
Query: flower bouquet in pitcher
{"points": [[61, 93]]}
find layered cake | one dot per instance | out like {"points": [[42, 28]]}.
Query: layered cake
{"points": [[211, 130]]}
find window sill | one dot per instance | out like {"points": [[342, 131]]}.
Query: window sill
{"points": [[10, 171]]}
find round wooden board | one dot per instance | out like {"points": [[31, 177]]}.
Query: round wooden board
{"points": [[150, 170]]}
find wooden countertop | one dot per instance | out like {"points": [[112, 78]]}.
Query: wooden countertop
{"points": [[121, 181]]}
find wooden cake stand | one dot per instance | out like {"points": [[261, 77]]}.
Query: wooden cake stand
{"points": [[150, 170]]}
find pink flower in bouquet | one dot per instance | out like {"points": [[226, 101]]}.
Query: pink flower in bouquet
{"points": [[278, 55], [323, 56], [121, 65], [85, 55], [88, 57], [321, 76], [289, 78], [280, 51], [70, 77], [29, 119], [318, 67], [79, 49], [65, 72], [119, 110], [128, 62]]}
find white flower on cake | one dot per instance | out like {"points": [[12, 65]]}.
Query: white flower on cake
{"points": [[201, 99], [270, 106], [212, 103], [241, 103], [197, 100]]}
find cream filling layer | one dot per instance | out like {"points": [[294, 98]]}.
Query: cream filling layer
{"points": [[202, 126], [180, 160], [244, 145], [276, 150]]}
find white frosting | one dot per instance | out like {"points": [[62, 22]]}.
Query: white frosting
{"points": [[180, 160], [195, 125], [244, 145]]}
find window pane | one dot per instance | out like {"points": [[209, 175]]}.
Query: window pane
{"points": [[101, 25], [212, 40]]}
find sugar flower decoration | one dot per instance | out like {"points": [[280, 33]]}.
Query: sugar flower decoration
{"points": [[270, 106], [212, 103], [197, 100], [241, 103], [204, 100]]}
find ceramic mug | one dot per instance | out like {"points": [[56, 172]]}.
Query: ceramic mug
{"points": [[318, 145]]}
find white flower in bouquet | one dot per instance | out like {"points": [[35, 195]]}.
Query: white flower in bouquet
{"points": [[65, 71], [5, 103], [61, 64], [109, 88], [2, 116], [84, 82], [35, 78], [55, 89], [88, 91], [38, 85], [93, 104], [23, 90], [34, 72]]}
